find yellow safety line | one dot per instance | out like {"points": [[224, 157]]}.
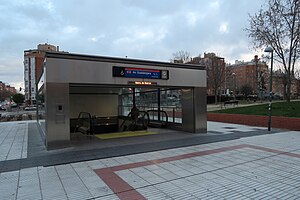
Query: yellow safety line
{"points": [[124, 134]]}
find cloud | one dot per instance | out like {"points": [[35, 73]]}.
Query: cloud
{"points": [[137, 28], [136, 40], [93, 39], [192, 18], [70, 29], [223, 27], [215, 4]]}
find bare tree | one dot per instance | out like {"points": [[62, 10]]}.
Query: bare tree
{"points": [[297, 77], [277, 25], [215, 67], [4, 94], [246, 90], [181, 57]]}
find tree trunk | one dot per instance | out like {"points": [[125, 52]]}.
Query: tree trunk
{"points": [[288, 91], [216, 98], [284, 91]]}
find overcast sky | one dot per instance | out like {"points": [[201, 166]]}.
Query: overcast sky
{"points": [[143, 29]]}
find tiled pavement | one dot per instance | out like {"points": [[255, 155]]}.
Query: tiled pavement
{"points": [[13, 140], [16, 143], [260, 167]]}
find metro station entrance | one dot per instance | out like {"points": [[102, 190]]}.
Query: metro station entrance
{"points": [[94, 96], [101, 110]]}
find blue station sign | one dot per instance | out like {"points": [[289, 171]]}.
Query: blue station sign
{"points": [[130, 72]]}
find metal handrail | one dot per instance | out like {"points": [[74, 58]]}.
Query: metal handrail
{"points": [[143, 116], [81, 118], [160, 111], [129, 114], [171, 110], [148, 118]]}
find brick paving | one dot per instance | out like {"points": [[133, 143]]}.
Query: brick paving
{"points": [[259, 167]]}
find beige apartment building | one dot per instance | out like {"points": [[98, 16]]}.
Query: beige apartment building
{"points": [[33, 60]]}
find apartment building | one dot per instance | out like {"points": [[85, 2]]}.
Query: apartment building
{"points": [[253, 73], [11, 90], [279, 82], [6, 91], [2, 86], [33, 60], [215, 67]]}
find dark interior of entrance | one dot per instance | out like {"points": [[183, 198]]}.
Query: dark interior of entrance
{"points": [[99, 109]]}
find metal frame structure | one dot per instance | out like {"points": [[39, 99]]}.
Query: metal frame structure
{"points": [[63, 73]]}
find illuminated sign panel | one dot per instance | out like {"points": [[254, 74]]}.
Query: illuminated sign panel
{"points": [[130, 72], [141, 83]]}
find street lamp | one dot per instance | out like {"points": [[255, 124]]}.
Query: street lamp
{"points": [[270, 50]]}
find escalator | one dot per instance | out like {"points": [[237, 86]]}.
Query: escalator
{"points": [[144, 119], [91, 125], [158, 118], [135, 121]]}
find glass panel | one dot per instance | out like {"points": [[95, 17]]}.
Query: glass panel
{"points": [[126, 101], [171, 104], [41, 108], [147, 99]]}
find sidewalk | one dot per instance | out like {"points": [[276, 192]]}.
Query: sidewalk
{"points": [[219, 106], [259, 167]]}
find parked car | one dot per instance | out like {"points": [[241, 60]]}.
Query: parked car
{"points": [[13, 105], [30, 108]]}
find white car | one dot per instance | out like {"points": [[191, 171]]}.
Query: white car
{"points": [[30, 108]]}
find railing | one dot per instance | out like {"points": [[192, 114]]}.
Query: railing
{"points": [[84, 123], [142, 120], [159, 118], [174, 112], [92, 125]]}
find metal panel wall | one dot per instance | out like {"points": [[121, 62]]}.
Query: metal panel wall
{"points": [[187, 103], [93, 72], [200, 110], [57, 119], [194, 117]]}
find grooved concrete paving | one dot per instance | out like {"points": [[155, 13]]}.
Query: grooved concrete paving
{"points": [[265, 166], [88, 149], [13, 140]]}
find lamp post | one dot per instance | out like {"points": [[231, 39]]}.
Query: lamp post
{"points": [[270, 50], [256, 75]]}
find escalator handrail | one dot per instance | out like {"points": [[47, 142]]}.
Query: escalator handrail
{"points": [[128, 118], [161, 111], [148, 117], [89, 119], [125, 120]]}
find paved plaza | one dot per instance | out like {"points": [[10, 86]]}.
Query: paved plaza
{"points": [[264, 166]]}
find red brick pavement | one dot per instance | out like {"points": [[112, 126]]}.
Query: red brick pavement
{"points": [[255, 120], [125, 192]]}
